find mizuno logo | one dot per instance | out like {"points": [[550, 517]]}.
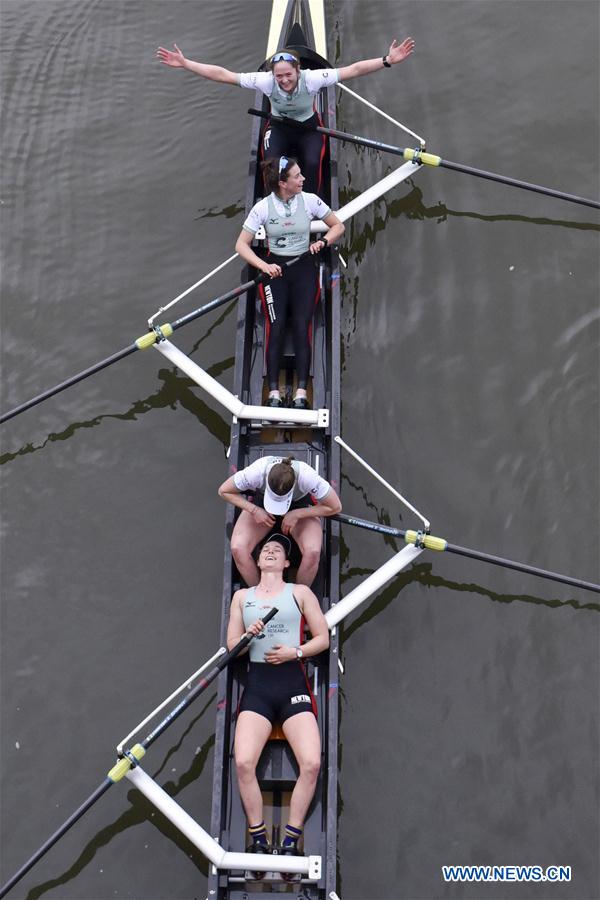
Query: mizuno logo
{"points": [[273, 221]]}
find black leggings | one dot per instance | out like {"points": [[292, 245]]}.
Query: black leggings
{"points": [[307, 146], [295, 294]]}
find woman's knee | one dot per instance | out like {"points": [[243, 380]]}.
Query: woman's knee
{"points": [[310, 766], [311, 555], [240, 547], [245, 766]]}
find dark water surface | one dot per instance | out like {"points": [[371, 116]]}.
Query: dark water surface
{"points": [[469, 712]]}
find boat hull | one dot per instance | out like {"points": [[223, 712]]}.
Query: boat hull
{"points": [[277, 769]]}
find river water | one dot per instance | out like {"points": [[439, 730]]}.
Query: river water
{"points": [[469, 704]]}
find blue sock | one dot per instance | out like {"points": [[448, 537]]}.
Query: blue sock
{"points": [[292, 836], [258, 833]]}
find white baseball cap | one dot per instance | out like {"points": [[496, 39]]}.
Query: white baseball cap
{"points": [[277, 504], [274, 503]]}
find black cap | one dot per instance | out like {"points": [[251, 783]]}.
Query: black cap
{"points": [[281, 539]]}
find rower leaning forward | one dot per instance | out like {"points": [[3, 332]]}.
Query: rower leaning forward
{"points": [[286, 495]]}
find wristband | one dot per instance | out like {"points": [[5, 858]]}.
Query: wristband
{"points": [[385, 62], [325, 241]]}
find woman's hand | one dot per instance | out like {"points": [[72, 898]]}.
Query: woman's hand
{"points": [[262, 517], [255, 628], [290, 520], [317, 246], [398, 52], [170, 58], [280, 654], [272, 270]]}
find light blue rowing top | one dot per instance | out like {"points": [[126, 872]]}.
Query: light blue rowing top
{"points": [[288, 235], [298, 105], [284, 628]]}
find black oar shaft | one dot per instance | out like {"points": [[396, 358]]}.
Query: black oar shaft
{"points": [[429, 159], [203, 684], [514, 182], [476, 554], [369, 526], [213, 304], [99, 792], [231, 295], [108, 782], [331, 132], [523, 567], [51, 392], [121, 354], [142, 342]]}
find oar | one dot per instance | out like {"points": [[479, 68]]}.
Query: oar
{"points": [[145, 341], [421, 539], [131, 757], [429, 159]]}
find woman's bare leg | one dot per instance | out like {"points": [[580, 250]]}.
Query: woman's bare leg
{"points": [[308, 534], [247, 533], [251, 734], [302, 734]]}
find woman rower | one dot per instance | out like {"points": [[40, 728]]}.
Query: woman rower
{"points": [[286, 214], [288, 495], [277, 690], [292, 91]]}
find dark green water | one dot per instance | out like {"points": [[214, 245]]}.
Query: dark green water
{"points": [[469, 717]]}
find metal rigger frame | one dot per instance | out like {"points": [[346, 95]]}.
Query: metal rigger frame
{"points": [[128, 766]]}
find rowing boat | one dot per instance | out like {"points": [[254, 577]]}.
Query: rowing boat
{"points": [[251, 436], [312, 436], [295, 28]]}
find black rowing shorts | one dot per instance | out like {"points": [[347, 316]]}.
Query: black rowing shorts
{"points": [[277, 692]]}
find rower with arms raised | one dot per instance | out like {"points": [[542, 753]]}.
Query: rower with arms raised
{"points": [[291, 92]]}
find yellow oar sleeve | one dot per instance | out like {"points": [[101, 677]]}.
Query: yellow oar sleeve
{"points": [[149, 339], [428, 159], [425, 540], [122, 767]]}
